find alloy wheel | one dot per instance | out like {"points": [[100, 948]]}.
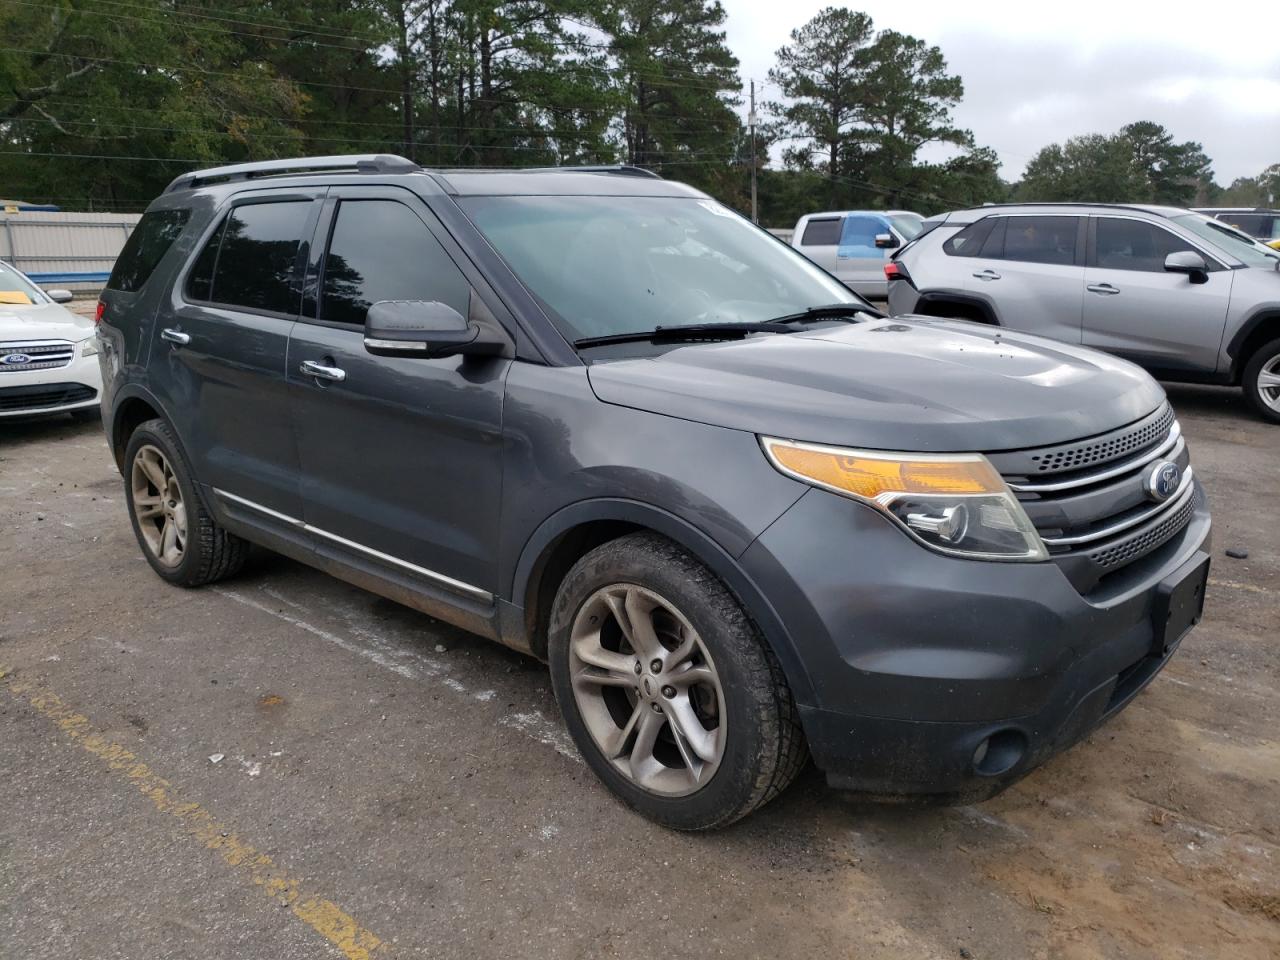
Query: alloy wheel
{"points": [[1269, 383], [647, 689], [158, 505]]}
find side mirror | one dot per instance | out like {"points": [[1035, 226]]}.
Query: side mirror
{"points": [[423, 328], [887, 241], [60, 296], [1188, 262]]}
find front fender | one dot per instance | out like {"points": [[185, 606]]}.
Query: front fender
{"points": [[725, 566]]}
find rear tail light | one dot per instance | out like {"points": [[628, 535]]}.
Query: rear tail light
{"points": [[99, 312], [893, 270]]}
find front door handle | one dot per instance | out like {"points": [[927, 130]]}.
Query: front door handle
{"points": [[1105, 289], [987, 275], [321, 372], [175, 336]]}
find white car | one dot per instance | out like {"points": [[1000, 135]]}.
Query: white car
{"points": [[48, 355]]}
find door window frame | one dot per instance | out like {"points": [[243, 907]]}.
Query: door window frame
{"points": [[1213, 262], [219, 219]]}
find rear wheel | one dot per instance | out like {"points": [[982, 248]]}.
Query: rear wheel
{"points": [[668, 689], [178, 536], [1261, 380]]}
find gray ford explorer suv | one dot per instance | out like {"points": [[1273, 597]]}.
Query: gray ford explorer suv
{"points": [[1185, 296], [602, 419]]}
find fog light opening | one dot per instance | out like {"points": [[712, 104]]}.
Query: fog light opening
{"points": [[999, 753]]}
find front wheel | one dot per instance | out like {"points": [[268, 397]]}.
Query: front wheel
{"points": [[668, 689], [1261, 381]]}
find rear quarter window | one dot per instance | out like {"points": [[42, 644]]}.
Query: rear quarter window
{"points": [[969, 241], [150, 240], [821, 233]]}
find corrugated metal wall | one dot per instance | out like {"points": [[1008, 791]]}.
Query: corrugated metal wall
{"points": [[69, 250]]}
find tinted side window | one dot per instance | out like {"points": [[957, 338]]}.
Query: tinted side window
{"points": [[255, 259], [1134, 245], [380, 250], [969, 241], [200, 279], [1255, 225], [1041, 239], [150, 240], [821, 233]]}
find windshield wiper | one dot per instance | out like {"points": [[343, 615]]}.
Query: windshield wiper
{"points": [[832, 311], [692, 331]]}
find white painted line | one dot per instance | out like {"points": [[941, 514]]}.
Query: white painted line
{"points": [[531, 723]]}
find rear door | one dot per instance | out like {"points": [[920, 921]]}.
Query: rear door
{"points": [[219, 356], [1133, 308], [1031, 270], [402, 457]]}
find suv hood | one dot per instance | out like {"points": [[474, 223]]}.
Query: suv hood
{"points": [[42, 321], [909, 383]]}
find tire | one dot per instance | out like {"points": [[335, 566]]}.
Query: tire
{"points": [[161, 494], [1264, 364], [750, 745]]}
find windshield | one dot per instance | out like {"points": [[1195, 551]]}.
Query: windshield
{"points": [[612, 265], [1228, 239], [15, 288], [907, 225]]}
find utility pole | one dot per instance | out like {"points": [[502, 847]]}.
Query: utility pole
{"points": [[751, 122]]}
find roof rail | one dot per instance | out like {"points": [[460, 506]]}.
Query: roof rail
{"points": [[619, 169], [355, 163], [1141, 208]]}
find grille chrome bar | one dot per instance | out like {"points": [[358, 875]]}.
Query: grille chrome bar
{"points": [[1184, 490], [1170, 448], [43, 354]]}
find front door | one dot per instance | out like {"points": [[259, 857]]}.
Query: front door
{"points": [[222, 372], [401, 457], [1135, 309]]}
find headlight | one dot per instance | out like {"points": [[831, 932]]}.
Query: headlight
{"points": [[954, 503], [89, 347]]}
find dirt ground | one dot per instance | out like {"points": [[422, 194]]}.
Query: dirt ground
{"points": [[388, 786]]}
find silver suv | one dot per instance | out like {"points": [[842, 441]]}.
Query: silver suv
{"points": [[1183, 295]]}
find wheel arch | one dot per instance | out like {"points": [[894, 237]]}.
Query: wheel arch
{"points": [[934, 303], [1261, 327], [133, 407], [570, 533]]}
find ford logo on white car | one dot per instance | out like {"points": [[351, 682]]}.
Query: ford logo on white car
{"points": [[13, 359]]}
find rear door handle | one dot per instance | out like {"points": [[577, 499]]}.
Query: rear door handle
{"points": [[175, 336], [987, 275], [1104, 288], [321, 372]]}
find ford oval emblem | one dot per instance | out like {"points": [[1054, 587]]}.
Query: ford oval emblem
{"points": [[1163, 480], [15, 358]]}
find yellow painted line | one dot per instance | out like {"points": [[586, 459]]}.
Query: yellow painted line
{"points": [[1237, 585], [324, 916]]}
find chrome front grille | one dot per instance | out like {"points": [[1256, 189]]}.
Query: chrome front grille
{"points": [[21, 356], [1089, 499]]}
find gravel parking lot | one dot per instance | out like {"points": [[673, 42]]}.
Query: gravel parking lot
{"points": [[388, 786]]}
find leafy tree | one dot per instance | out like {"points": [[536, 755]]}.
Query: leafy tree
{"points": [[860, 105], [676, 83], [1260, 191], [1171, 172]]}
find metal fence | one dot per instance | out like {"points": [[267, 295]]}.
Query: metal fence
{"points": [[71, 250]]}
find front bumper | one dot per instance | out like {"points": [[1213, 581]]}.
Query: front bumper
{"points": [[76, 386], [915, 659]]}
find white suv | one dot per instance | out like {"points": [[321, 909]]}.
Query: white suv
{"points": [[48, 355], [1183, 295]]}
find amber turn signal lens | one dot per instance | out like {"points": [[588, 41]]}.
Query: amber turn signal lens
{"points": [[869, 475]]}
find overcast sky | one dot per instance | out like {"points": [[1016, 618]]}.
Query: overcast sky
{"points": [[1036, 73]]}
